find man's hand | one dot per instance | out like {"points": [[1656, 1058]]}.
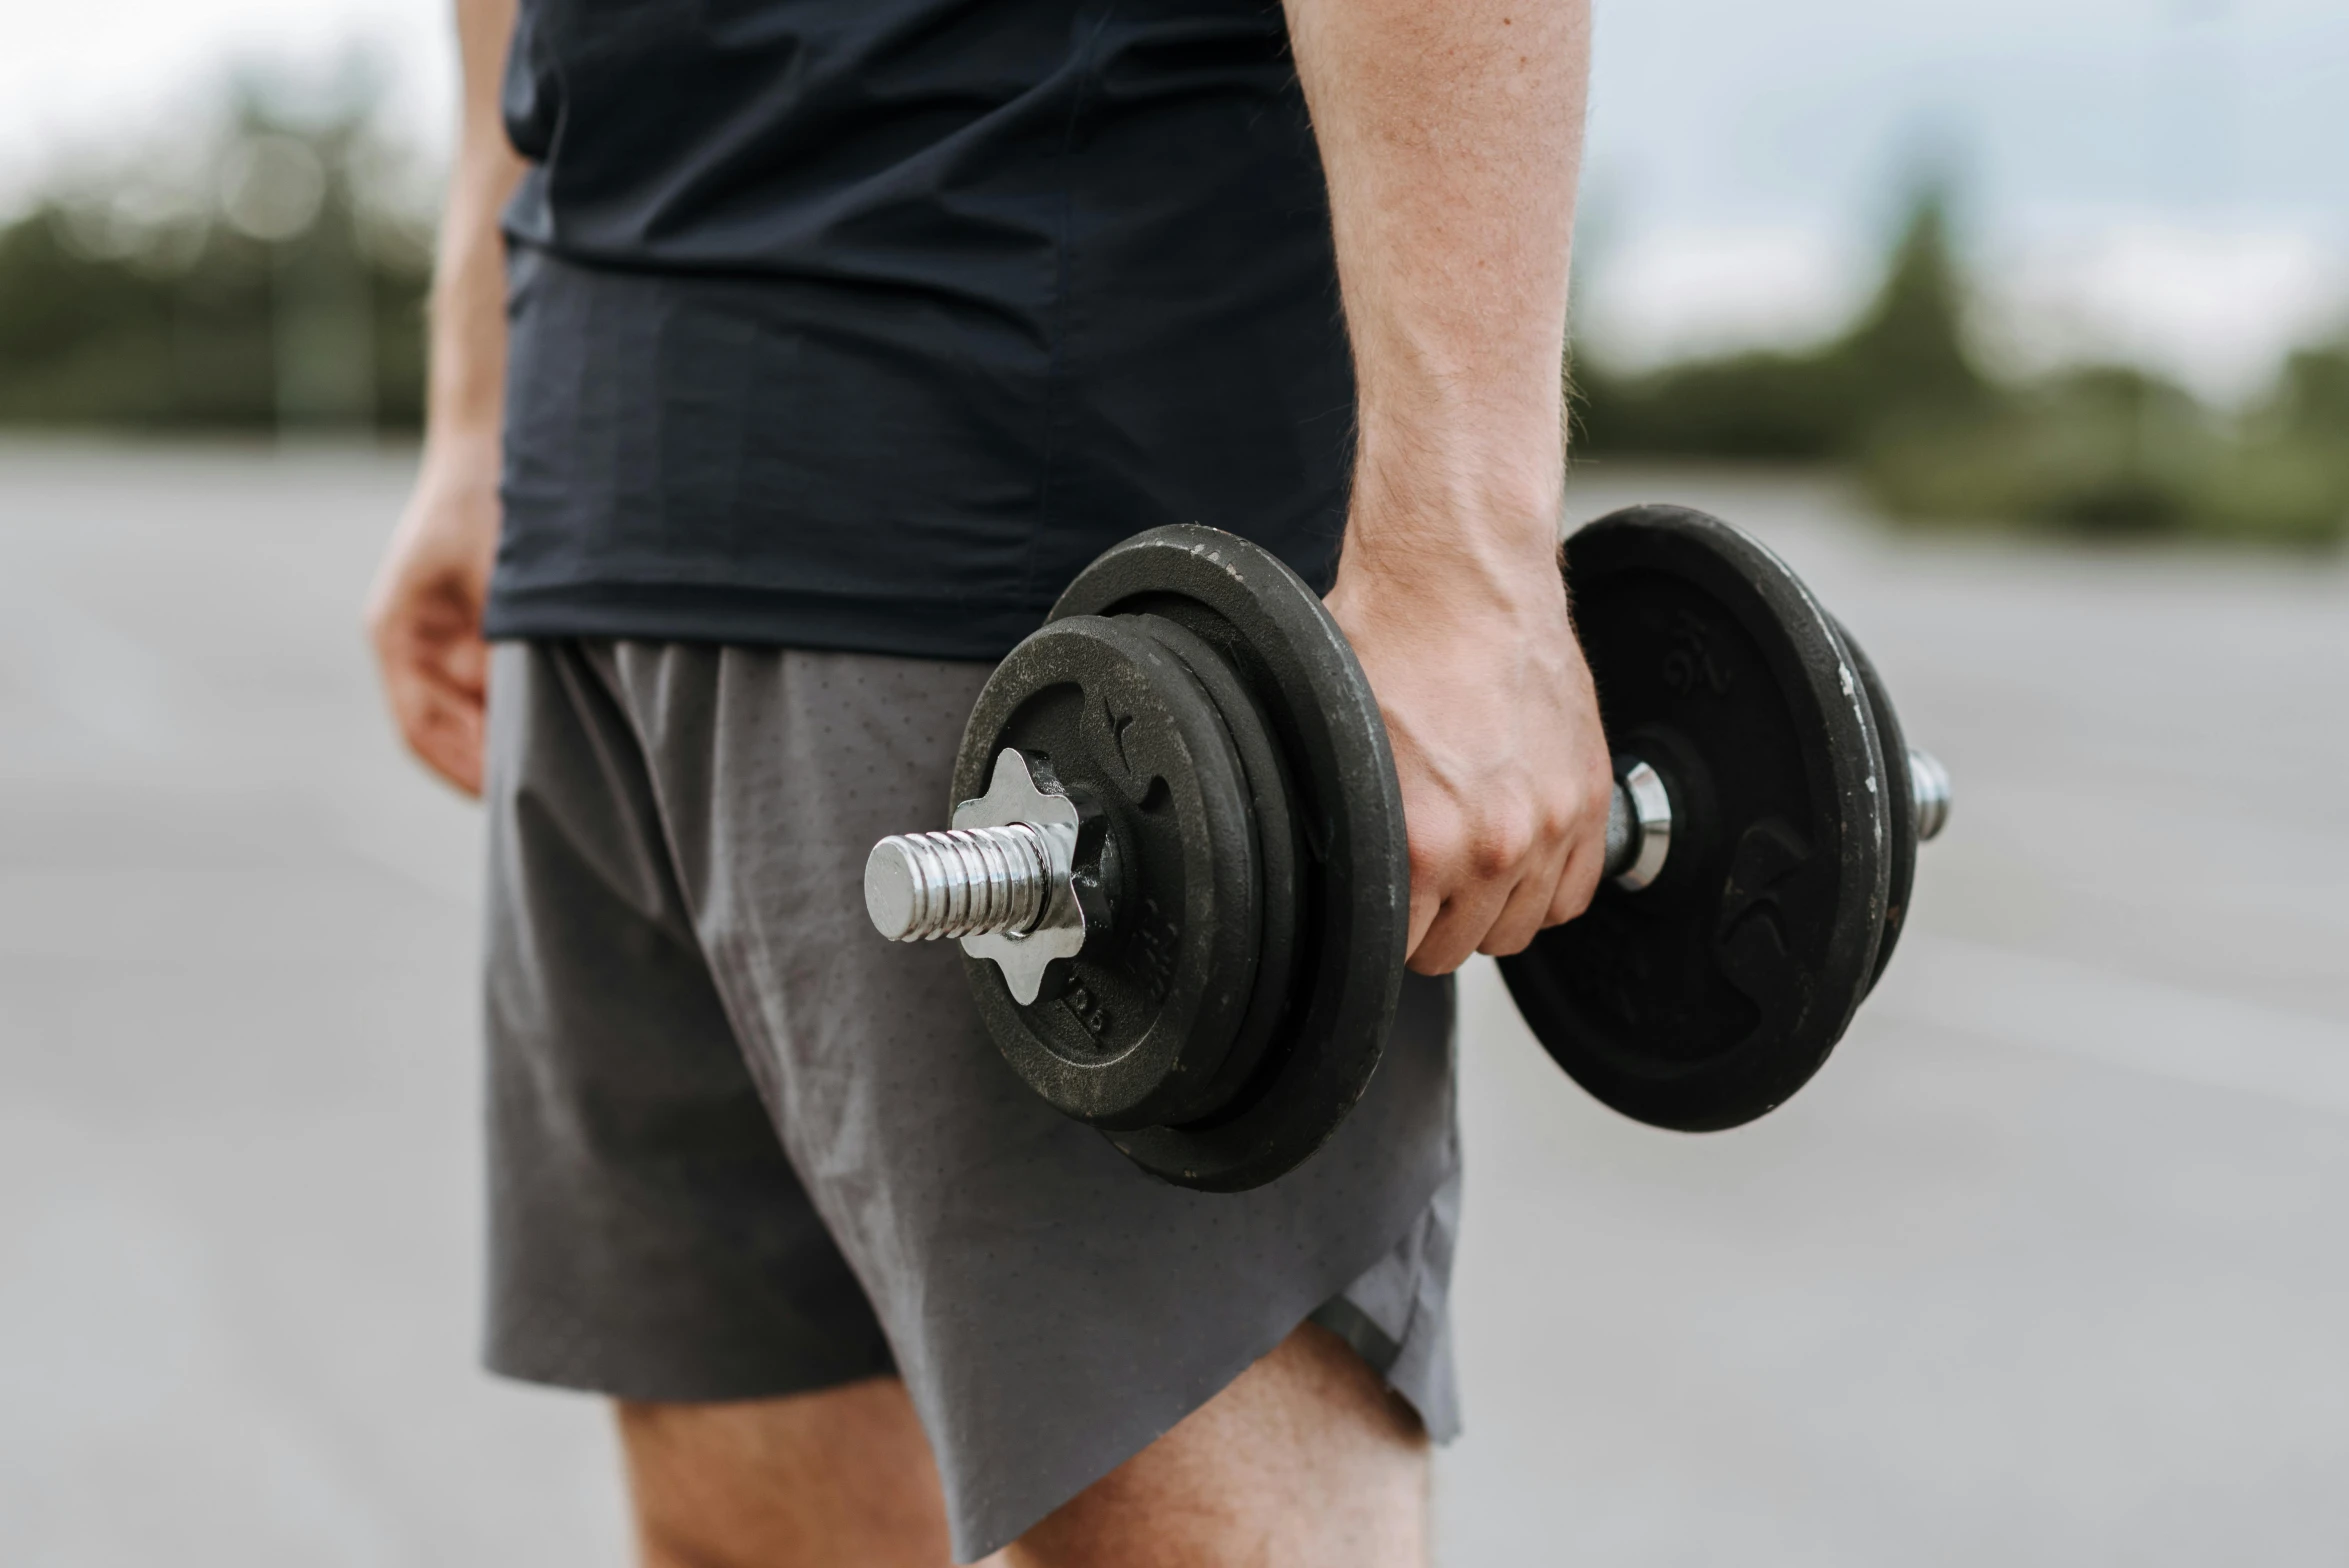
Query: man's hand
{"points": [[424, 614], [1496, 736], [1451, 135]]}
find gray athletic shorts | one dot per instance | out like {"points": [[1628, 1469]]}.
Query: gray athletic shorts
{"points": [[742, 1147]]}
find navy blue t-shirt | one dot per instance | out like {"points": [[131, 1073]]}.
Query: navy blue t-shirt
{"points": [[865, 324]]}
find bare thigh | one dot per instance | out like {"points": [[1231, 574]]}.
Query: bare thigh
{"points": [[1305, 1461], [839, 1476]]}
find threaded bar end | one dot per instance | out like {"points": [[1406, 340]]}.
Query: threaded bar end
{"points": [[959, 883]]}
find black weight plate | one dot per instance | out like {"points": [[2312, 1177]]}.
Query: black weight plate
{"points": [[1141, 1020], [1279, 857], [1705, 999], [1900, 815], [1355, 906]]}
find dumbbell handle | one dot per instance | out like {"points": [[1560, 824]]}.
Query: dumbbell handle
{"points": [[997, 881], [1639, 818]]}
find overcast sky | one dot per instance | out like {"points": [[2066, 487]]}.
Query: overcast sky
{"points": [[2172, 175]]}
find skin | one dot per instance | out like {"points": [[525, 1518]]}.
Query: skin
{"points": [[424, 610], [1451, 136], [1305, 1461], [840, 1476]]}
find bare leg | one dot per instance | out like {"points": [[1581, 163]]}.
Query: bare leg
{"points": [[1307, 1461], [839, 1476]]}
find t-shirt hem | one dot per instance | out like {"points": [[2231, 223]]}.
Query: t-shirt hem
{"points": [[758, 617]]}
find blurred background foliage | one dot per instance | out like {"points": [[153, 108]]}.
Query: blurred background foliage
{"points": [[1903, 399], [268, 275]]}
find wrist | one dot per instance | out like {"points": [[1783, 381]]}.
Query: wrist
{"points": [[1459, 578], [1500, 461], [461, 456], [1452, 527]]}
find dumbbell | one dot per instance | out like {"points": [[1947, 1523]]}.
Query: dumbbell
{"points": [[1178, 871]]}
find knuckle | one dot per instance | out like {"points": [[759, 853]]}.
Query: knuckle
{"points": [[1504, 840], [1491, 855]]}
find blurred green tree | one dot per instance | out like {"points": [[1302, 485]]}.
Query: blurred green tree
{"points": [[1905, 359], [269, 294], [1902, 399]]}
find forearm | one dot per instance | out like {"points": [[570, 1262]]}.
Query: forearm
{"points": [[465, 391], [1451, 135]]}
